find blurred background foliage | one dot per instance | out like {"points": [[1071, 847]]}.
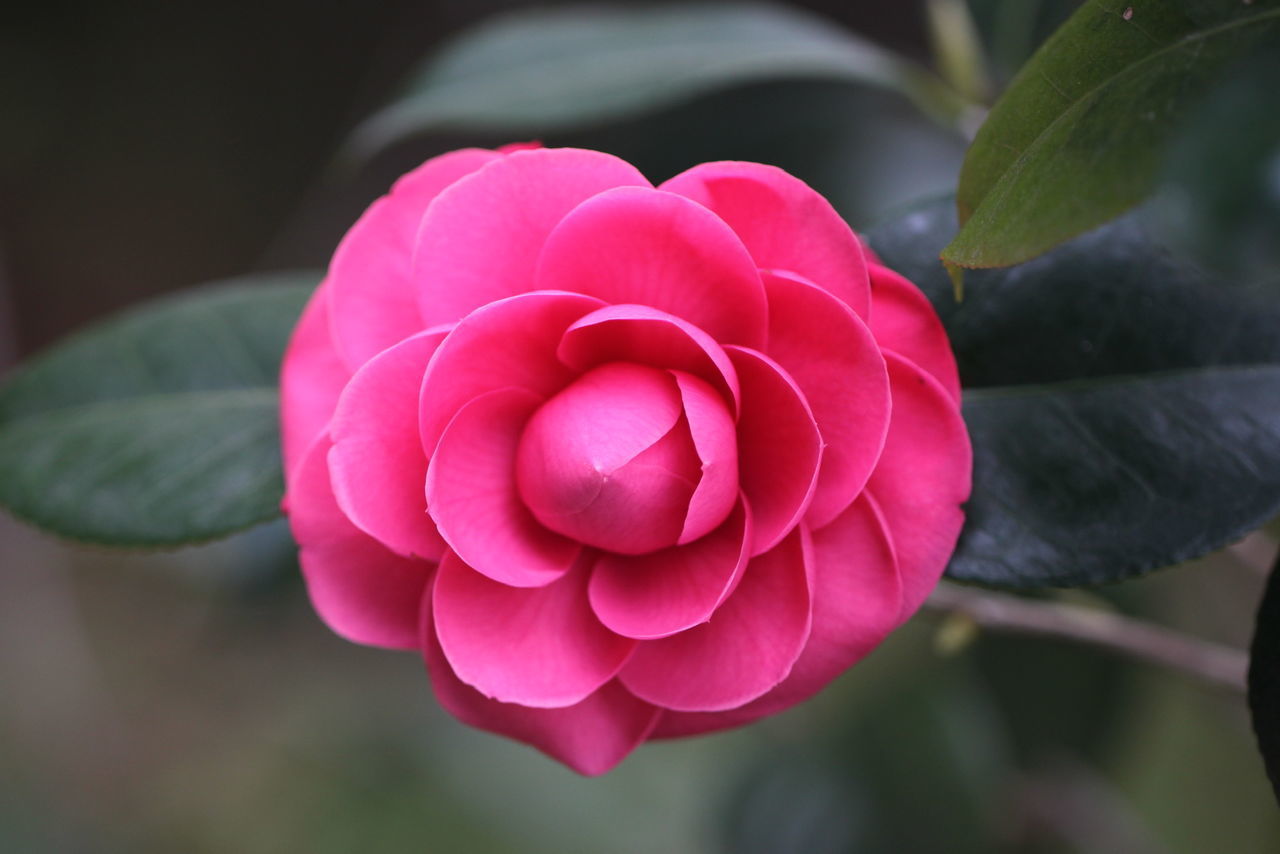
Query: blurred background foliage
{"points": [[190, 701]]}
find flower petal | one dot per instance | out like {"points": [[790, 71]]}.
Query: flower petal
{"points": [[779, 447], [479, 241], [785, 224], [659, 594], [608, 461], [374, 303], [540, 646], [639, 333], [923, 478], [590, 737], [746, 649], [712, 430], [643, 246], [311, 379], [508, 344], [857, 598], [377, 463], [903, 320], [361, 590], [832, 356], [471, 495]]}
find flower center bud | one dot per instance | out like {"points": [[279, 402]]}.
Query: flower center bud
{"points": [[609, 461]]}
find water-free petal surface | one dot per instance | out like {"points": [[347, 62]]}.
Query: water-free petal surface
{"points": [[360, 588], [642, 334], [377, 464], [835, 361], [481, 238], [923, 478], [509, 343], [607, 461], [747, 648], [903, 320], [311, 379], [715, 442], [374, 301], [536, 646], [779, 447], [471, 495], [590, 737], [785, 224], [659, 594], [647, 247]]}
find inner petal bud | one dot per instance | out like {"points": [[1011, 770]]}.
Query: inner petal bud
{"points": [[610, 462]]}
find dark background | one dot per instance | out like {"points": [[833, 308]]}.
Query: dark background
{"points": [[148, 146]]}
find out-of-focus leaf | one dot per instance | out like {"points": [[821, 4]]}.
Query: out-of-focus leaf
{"points": [[1013, 29], [1219, 197], [158, 427], [535, 72], [1080, 134], [1124, 408], [1264, 679], [957, 48]]}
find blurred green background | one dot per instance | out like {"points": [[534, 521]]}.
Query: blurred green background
{"points": [[190, 701]]}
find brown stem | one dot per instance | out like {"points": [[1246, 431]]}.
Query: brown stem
{"points": [[1211, 662]]}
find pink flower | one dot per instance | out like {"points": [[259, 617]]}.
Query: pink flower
{"points": [[621, 462]]}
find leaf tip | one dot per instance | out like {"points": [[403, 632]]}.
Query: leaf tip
{"points": [[956, 273]]}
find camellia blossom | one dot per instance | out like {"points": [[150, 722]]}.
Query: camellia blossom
{"points": [[621, 462]]}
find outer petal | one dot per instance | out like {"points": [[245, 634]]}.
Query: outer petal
{"points": [[361, 590], [510, 343], [377, 464], [471, 494], [904, 321], [480, 240], [659, 594], [784, 222], [590, 737], [779, 447], [923, 478], [857, 598], [373, 299], [311, 379], [647, 247], [540, 646], [834, 359], [748, 647], [639, 333]]}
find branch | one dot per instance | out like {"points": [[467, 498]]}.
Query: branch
{"points": [[1219, 665]]}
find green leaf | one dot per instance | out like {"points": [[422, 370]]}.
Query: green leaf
{"points": [[1080, 134], [554, 69], [1264, 679], [157, 427], [1124, 408]]}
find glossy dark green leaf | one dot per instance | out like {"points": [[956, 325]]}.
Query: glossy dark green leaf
{"points": [[1124, 408], [157, 427], [534, 72], [1080, 134], [1264, 679]]}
